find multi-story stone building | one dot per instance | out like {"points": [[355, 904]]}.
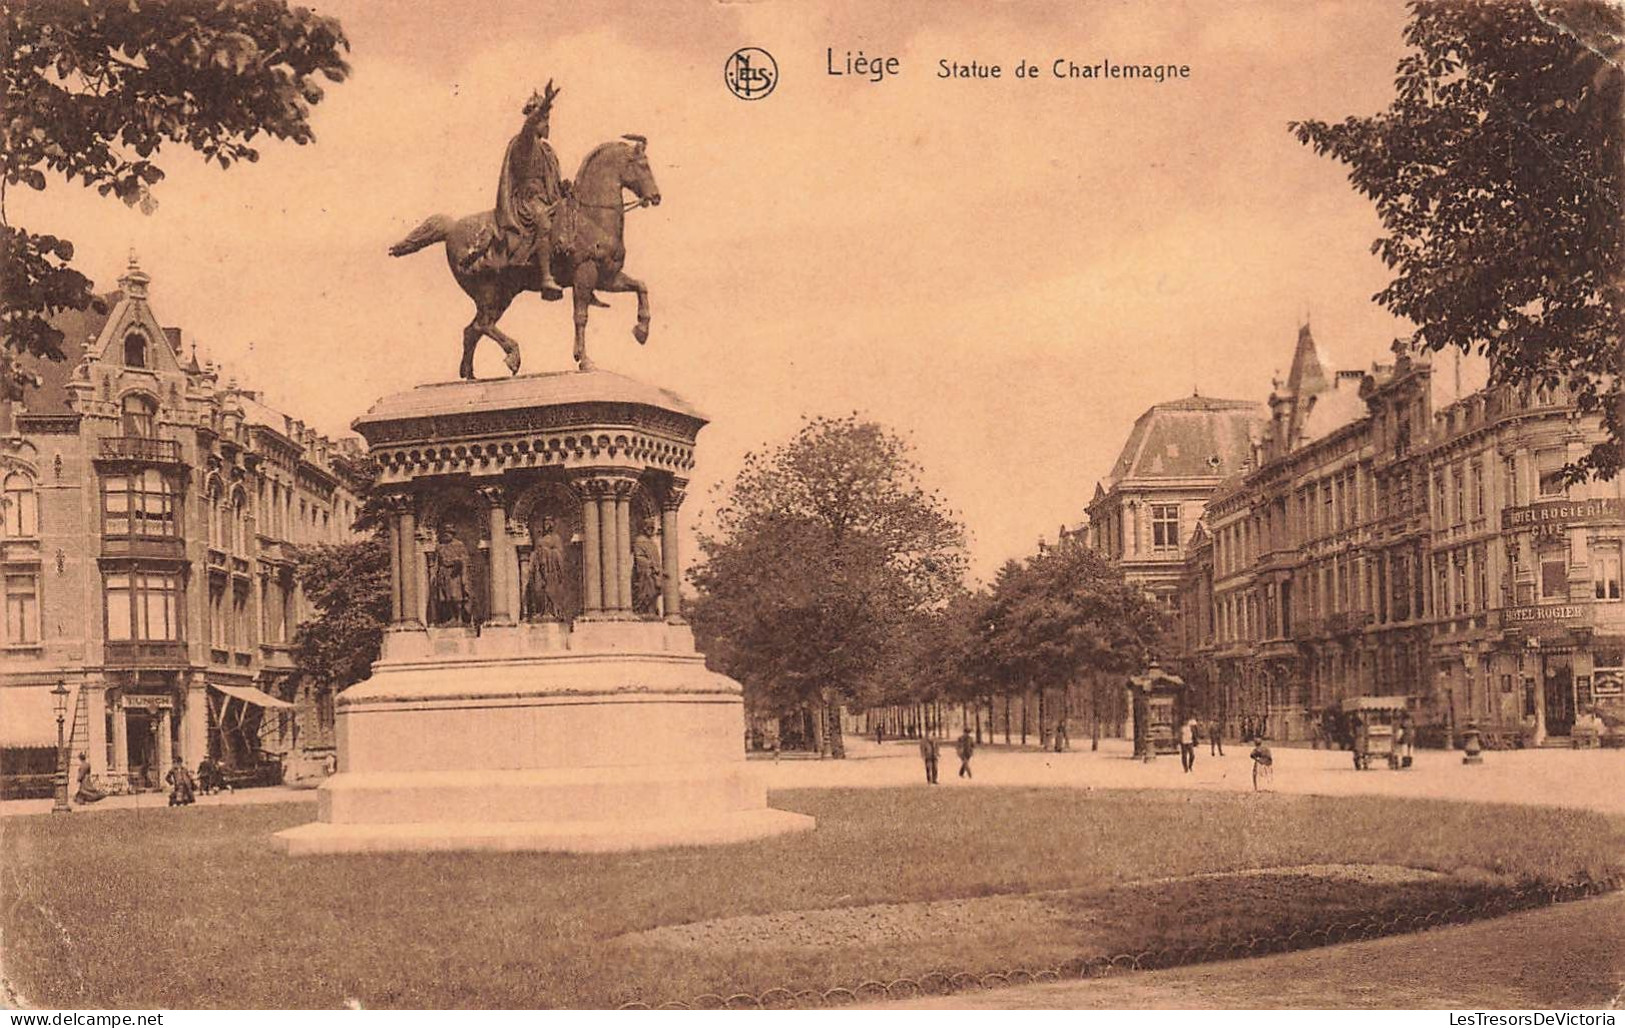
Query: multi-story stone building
{"points": [[1406, 531], [151, 521], [1145, 509]]}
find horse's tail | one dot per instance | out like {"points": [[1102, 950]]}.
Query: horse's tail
{"points": [[434, 229]]}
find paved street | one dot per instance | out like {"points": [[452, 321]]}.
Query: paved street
{"points": [[1590, 779]]}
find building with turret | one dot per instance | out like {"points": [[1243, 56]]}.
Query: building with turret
{"points": [[1406, 530], [152, 517]]}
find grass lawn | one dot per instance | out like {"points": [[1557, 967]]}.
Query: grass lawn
{"points": [[192, 908]]}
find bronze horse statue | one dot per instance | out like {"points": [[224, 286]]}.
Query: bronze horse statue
{"points": [[588, 250]]}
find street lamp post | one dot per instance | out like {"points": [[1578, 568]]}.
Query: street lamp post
{"points": [[60, 697]]}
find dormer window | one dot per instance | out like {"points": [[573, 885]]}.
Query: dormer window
{"points": [[140, 417], [135, 350]]}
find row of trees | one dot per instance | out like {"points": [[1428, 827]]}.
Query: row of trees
{"points": [[831, 577]]}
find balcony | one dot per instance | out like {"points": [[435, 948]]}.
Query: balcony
{"points": [[146, 653], [140, 449]]}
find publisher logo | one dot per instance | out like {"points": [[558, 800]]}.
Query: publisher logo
{"points": [[751, 73]]}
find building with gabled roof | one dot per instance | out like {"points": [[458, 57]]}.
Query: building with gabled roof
{"points": [[149, 525]]}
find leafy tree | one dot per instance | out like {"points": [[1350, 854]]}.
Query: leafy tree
{"points": [[93, 90], [821, 553], [349, 585], [1064, 614], [1497, 174]]}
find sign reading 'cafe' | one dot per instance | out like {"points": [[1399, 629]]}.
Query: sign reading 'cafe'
{"points": [[1554, 516]]}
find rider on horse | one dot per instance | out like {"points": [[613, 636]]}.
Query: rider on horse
{"points": [[527, 192]]}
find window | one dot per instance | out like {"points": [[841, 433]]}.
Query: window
{"points": [[1509, 471], [135, 350], [21, 507], [1605, 570], [1165, 526], [217, 618], [142, 504], [1459, 607], [239, 526], [1440, 500], [1478, 489], [1441, 586], [1481, 570], [22, 608], [140, 417], [241, 636], [1554, 576], [212, 509], [144, 605], [1550, 465], [1459, 491]]}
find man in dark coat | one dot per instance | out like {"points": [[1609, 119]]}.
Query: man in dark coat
{"points": [[181, 787], [965, 747], [928, 753]]}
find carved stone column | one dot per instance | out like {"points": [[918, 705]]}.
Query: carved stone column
{"points": [[412, 591], [517, 534], [623, 543], [609, 554], [397, 607], [592, 595], [503, 561], [671, 595]]}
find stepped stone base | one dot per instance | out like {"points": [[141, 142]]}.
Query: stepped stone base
{"points": [[615, 737], [520, 836]]}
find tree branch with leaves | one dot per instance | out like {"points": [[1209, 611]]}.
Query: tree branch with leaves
{"points": [[95, 90]]}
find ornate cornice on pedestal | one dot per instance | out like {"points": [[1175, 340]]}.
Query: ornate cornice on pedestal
{"points": [[569, 421], [401, 463]]}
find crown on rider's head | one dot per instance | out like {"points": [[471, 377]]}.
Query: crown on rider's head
{"points": [[541, 101]]}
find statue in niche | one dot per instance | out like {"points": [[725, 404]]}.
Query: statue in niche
{"points": [[546, 588], [647, 576], [448, 591]]}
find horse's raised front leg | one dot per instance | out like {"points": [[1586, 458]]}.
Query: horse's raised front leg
{"points": [[624, 283], [491, 309], [509, 347], [581, 295]]}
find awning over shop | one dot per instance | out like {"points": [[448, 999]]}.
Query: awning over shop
{"points": [[251, 695], [28, 716]]}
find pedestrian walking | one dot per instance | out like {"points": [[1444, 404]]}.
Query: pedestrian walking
{"points": [[1187, 745], [928, 753], [1062, 741], [1215, 739], [880, 733], [1263, 765], [966, 747]]}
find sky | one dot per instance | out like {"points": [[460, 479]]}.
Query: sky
{"points": [[1006, 271]]}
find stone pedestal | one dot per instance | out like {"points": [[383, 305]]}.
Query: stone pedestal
{"points": [[485, 727]]}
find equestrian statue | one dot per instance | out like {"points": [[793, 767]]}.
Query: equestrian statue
{"points": [[545, 234]]}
